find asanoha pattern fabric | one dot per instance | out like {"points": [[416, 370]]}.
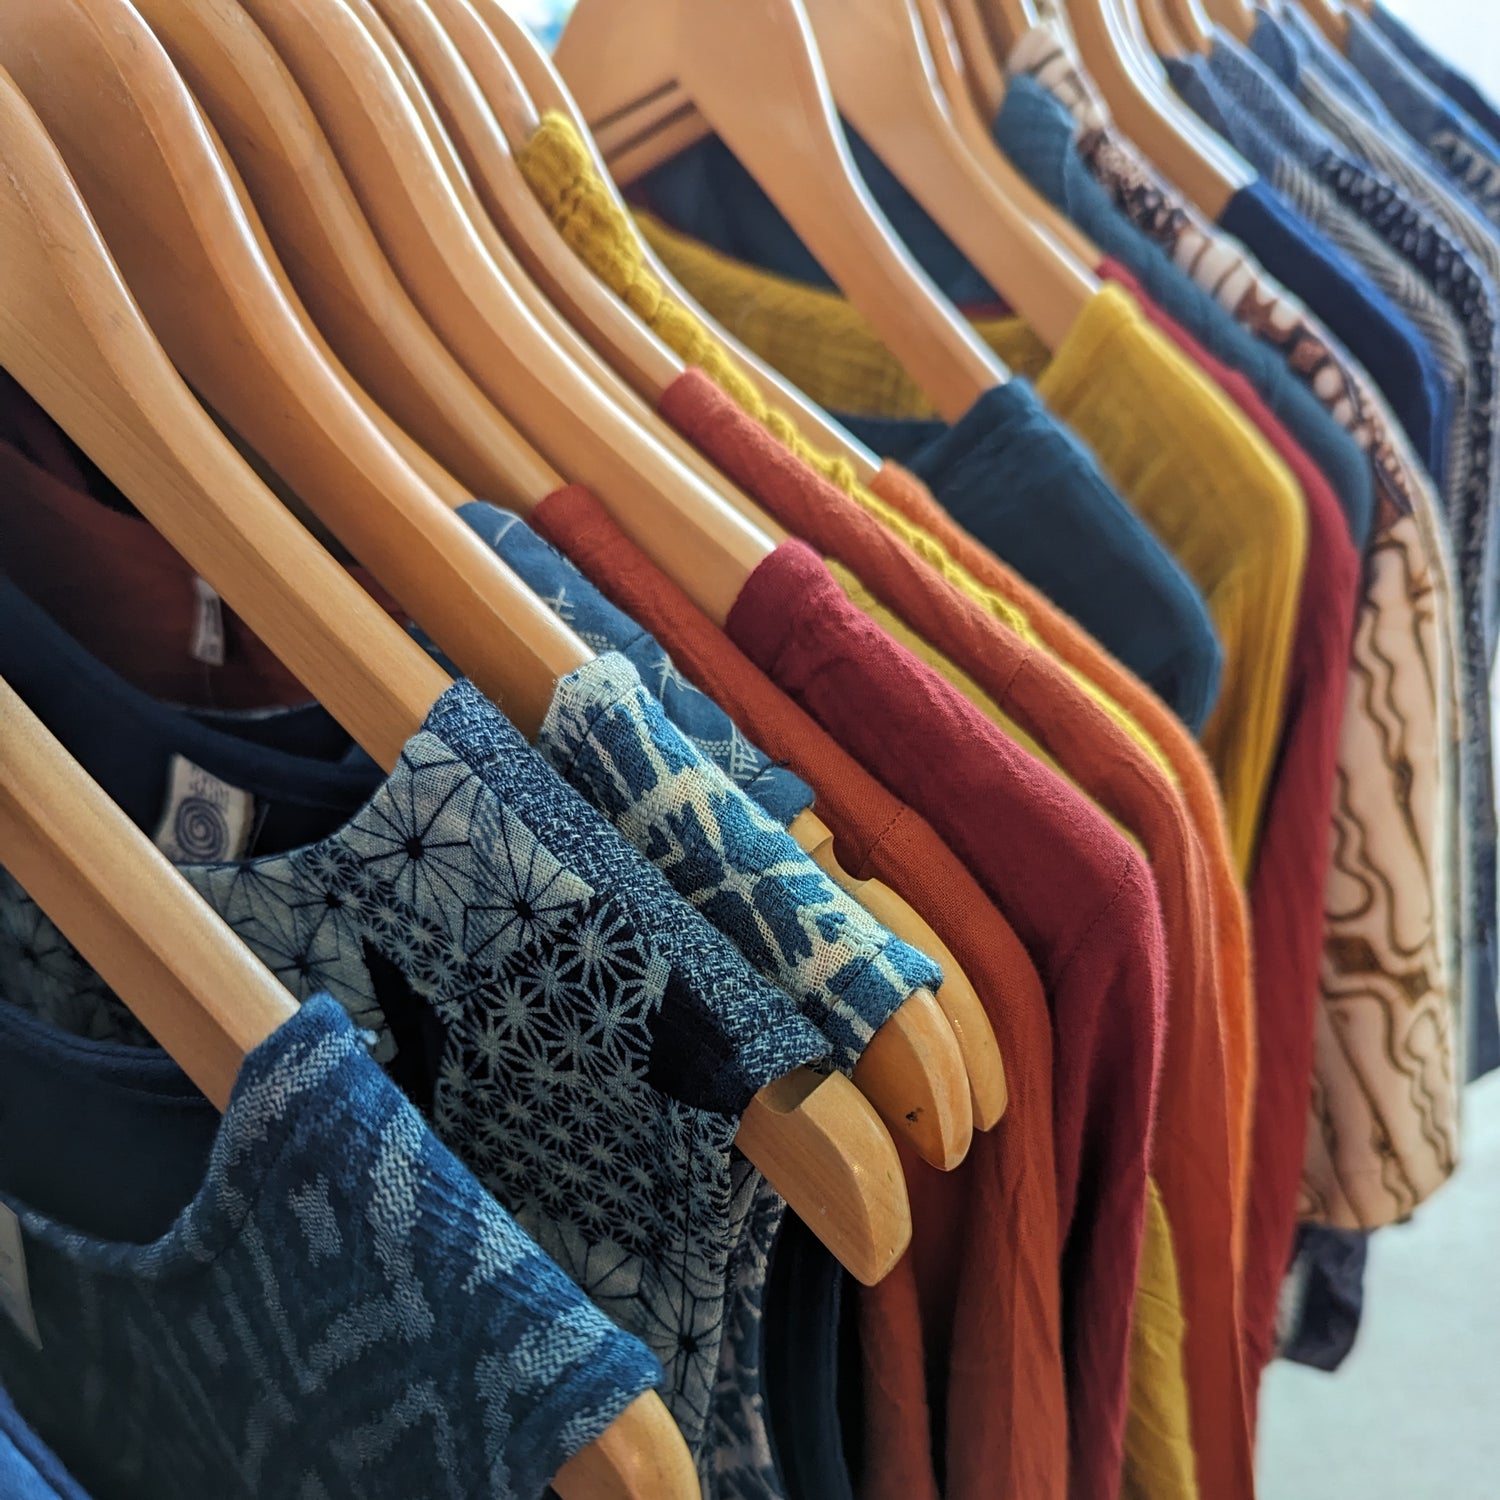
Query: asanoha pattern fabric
{"points": [[340, 1313], [574, 600], [597, 1038], [1395, 835], [1436, 233], [609, 738]]}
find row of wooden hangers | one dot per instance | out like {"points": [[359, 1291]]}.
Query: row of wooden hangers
{"points": [[306, 218]]}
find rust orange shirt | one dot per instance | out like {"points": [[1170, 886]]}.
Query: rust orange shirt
{"points": [[1190, 1157], [969, 1323]]}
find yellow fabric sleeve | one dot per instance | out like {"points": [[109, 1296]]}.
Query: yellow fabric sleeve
{"points": [[1160, 1463]]}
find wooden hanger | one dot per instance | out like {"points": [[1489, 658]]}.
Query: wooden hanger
{"points": [[1331, 18], [1237, 17], [975, 130], [1115, 53], [913, 1071], [533, 66], [338, 269], [959, 1001], [71, 334], [751, 70], [882, 75], [137, 146], [1007, 21], [1168, 26], [974, 48], [203, 995]]}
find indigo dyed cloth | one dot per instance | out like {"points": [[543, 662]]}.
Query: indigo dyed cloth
{"points": [[1439, 71], [28, 1469], [574, 600], [583, 1039], [331, 1306], [1095, 558]]}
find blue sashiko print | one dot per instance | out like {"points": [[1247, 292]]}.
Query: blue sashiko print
{"points": [[574, 600], [609, 738], [588, 1040], [339, 1311]]}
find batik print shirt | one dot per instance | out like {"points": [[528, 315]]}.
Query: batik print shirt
{"points": [[338, 1310], [1391, 744], [586, 1039], [1436, 233]]}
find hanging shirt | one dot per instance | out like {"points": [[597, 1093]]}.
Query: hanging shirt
{"points": [[1437, 235], [1112, 574], [318, 1299], [778, 791], [29, 1470], [1453, 83], [968, 1323], [1189, 769], [1347, 301], [1466, 154], [584, 1040], [1190, 1153], [1079, 900]]}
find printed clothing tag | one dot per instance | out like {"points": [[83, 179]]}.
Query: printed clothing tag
{"points": [[15, 1291], [207, 644], [205, 821]]}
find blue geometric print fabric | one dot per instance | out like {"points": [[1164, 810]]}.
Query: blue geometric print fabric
{"points": [[608, 737], [575, 601], [588, 1040], [340, 1312]]}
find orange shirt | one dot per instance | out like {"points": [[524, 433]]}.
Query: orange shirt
{"points": [[969, 1323], [1190, 1154], [1196, 781]]}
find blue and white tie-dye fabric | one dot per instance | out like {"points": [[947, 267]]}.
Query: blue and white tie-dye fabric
{"points": [[338, 1312], [608, 737], [575, 601]]}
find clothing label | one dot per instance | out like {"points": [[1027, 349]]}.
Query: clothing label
{"points": [[207, 644], [205, 820], [15, 1290]]}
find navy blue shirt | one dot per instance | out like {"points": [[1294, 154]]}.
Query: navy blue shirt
{"points": [[1018, 481]]}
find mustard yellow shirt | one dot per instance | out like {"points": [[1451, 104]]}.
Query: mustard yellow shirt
{"points": [[1187, 461]]}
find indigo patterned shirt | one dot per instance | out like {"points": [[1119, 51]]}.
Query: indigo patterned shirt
{"points": [[338, 1311], [574, 600], [584, 1040]]}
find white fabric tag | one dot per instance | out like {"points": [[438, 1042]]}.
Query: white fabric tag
{"points": [[15, 1290], [207, 644], [204, 820]]}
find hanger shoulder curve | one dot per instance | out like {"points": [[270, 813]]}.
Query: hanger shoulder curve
{"points": [[979, 1052], [751, 69], [883, 77], [641, 1455]]}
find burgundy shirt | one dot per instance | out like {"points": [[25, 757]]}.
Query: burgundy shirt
{"points": [[1080, 899]]}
